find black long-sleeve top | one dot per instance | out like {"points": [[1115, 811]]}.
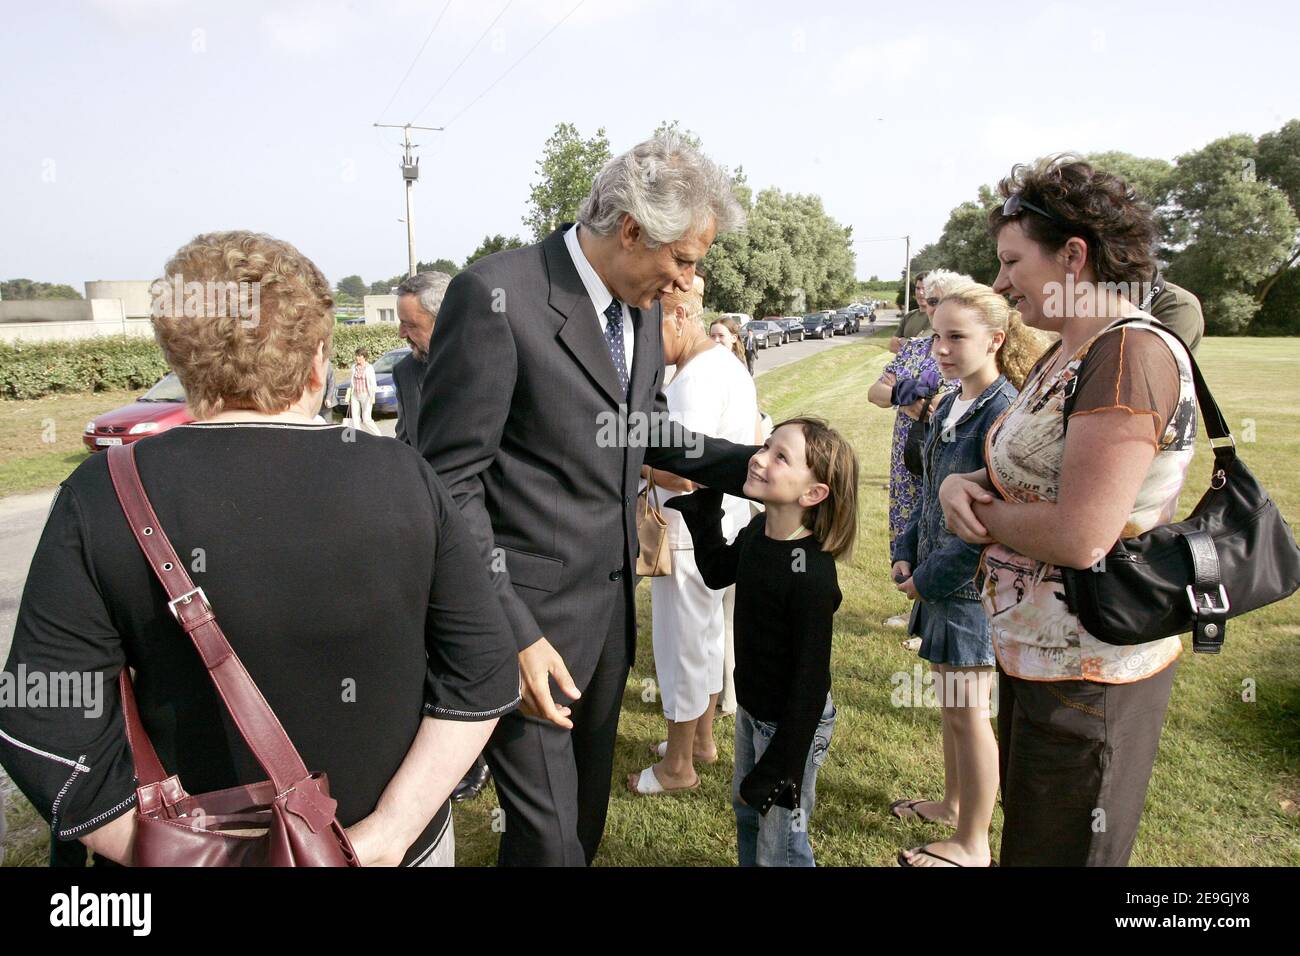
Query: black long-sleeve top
{"points": [[787, 593], [343, 575]]}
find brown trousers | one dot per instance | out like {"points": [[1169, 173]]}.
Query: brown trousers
{"points": [[1075, 759]]}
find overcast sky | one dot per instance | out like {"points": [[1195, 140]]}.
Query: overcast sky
{"points": [[129, 126]]}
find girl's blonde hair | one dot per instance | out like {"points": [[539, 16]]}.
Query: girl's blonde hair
{"points": [[1023, 345], [834, 520], [737, 346]]}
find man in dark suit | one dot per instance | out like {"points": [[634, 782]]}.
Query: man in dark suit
{"points": [[542, 399], [419, 298]]}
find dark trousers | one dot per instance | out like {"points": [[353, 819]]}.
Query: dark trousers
{"points": [[1075, 759], [553, 783]]}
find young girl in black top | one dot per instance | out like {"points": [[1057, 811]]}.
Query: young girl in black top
{"points": [[783, 566]]}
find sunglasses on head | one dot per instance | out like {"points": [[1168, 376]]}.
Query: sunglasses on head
{"points": [[1016, 203]]}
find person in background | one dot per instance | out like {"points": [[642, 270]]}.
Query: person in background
{"points": [[710, 395], [328, 398], [913, 361], [751, 350], [787, 592], [981, 342], [1177, 309], [727, 332], [361, 401], [418, 299], [1079, 720], [915, 322]]}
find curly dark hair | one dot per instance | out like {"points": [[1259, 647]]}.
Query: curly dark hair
{"points": [[1082, 201]]}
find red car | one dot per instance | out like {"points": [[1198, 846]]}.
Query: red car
{"points": [[160, 408]]}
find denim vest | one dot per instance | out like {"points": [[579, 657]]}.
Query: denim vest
{"points": [[943, 565]]}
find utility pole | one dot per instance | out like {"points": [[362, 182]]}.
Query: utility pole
{"points": [[907, 283], [410, 173]]}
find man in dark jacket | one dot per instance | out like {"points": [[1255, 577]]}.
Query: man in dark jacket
{"points": [[543, 398], [419, 298]]}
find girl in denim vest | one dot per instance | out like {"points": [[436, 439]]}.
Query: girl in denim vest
{"points": [[979, 340]]}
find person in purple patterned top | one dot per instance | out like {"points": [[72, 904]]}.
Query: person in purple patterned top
{"points": [[913, 361]]}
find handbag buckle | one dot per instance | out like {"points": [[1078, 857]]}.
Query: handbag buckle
{"points": [[188, 596], [1208, 598]]}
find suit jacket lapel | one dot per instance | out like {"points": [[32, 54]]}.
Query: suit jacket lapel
{"points": [[580, 332]]}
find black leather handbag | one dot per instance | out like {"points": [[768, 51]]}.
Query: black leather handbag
{"points": [[914, 444], [1234, 553]]}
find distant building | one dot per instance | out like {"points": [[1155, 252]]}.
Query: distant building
{"points": [[111, 307], [380, 309]]}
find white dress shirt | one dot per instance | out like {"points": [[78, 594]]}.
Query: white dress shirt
{"points": [[601, 297]]}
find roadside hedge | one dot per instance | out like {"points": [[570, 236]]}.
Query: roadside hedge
{"points": [[36, 369]]}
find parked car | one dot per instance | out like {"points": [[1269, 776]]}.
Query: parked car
{"points": [[793, 328], [160, 408], [779, 322], [839, 323], [766, 334], [817, 325], [385, 389]]}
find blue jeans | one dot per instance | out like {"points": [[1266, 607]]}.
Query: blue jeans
{"points": [[780, 836]]}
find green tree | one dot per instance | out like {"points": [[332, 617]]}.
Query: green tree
{"points": [[491, 244], [1234, 231], [386, 286], [438, 265], [352, 286], [14, 289], [565, 172]]}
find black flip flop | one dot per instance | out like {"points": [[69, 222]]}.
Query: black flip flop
{"points": [[910, 805], [902, 860]]}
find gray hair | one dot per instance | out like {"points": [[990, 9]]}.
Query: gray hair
{"points": [[942, 282], [428, 288], [667, 187]]}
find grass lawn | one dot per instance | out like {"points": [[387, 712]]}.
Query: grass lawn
{"points": [[1226, 787], [40, 439]]}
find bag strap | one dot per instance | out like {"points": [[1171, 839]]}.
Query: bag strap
{"points": [[253, 716]]}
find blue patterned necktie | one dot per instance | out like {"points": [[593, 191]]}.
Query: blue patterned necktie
{"points": [[614, 339]]}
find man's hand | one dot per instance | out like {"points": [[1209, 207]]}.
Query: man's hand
{"points": [[956, 496], [538, 662]]}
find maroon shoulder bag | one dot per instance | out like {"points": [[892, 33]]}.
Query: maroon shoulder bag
{"points": [[287, 820]]}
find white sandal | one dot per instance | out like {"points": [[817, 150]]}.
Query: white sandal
{"points": [[648, 785]]}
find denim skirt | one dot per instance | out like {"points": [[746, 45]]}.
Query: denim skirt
{"points": [[954, 631]]}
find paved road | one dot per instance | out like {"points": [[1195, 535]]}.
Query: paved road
{"points": [[23, 516]]}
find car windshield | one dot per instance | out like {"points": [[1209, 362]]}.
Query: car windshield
{"points": [[809, 319], [389, 359], [758, 326], [167, 390]]}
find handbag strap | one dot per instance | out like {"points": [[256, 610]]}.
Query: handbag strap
{"points": [[652, 492], [253, 716]]}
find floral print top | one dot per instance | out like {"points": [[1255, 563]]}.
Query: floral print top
{"points": [[912, 361], [1035, 636]]}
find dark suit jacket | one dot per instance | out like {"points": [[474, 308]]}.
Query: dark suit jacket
{"points": [[518, 387], [408, 376]]}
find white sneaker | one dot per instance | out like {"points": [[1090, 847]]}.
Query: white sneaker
{"points": [[912, 644], [898, 620]]}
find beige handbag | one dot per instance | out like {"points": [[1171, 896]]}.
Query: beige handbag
{"points": [[655, 559]]}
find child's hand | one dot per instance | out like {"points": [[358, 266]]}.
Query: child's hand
{"points": [[908, 588]]}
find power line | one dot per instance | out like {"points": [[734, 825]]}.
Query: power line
{"points": [[418, 53], [465, 108], [463, 59]]}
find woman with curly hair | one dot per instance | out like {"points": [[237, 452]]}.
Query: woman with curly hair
{"points": [[1079, 720], [256, 494]]}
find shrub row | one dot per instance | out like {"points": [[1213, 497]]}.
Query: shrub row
{"points": [[36, 369]]}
